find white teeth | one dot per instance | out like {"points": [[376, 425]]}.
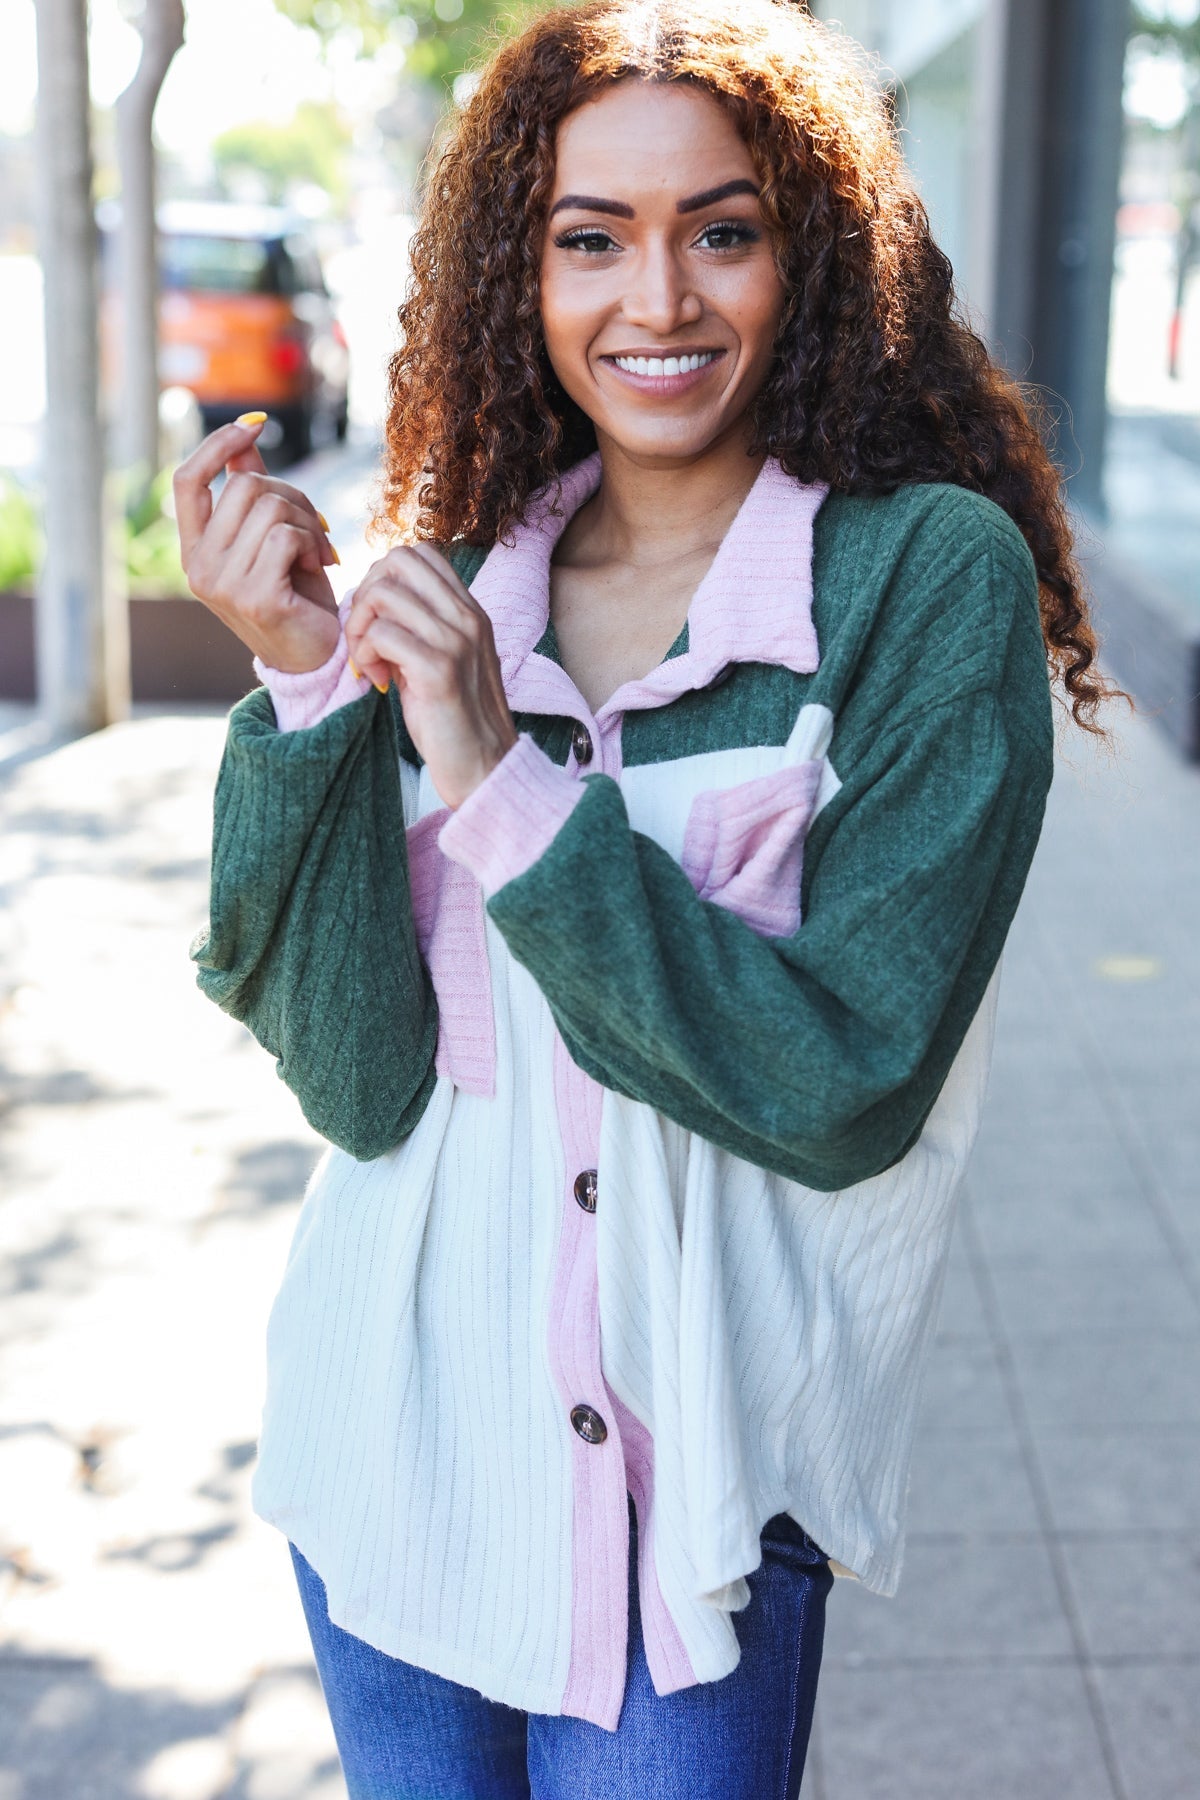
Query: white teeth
{"points": [[658, 365]]}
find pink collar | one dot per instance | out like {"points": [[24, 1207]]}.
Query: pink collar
{"points": [[753, 605]]}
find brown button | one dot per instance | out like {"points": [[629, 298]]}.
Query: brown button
{"points": [[581, 743], [589, 1424], [585, 1190]]}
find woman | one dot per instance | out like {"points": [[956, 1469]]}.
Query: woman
{"points": [[651, 1052]]}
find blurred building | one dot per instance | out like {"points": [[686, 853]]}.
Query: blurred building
{"points": [[1011, 114], [1068, 224]]}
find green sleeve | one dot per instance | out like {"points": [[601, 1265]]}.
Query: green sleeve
{"points": [[310, 940], [819, 1055]]}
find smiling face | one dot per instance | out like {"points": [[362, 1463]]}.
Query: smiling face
{"points": [[660, 297]]}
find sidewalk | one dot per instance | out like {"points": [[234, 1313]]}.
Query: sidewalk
{"points": [[1046, 1640]]}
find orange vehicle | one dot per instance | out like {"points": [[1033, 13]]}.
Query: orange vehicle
{"points": [[246, 320]]}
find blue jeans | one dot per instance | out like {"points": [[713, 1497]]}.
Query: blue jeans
{"points": [[406, 1734]]}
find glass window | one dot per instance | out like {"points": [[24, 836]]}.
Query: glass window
{"points": [[217, 265], [1152, 474], [306, 264]]}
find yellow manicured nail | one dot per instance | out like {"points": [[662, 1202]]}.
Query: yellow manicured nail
{"points": [[353, 670], [324, 521], [381, 685], [251, 418], [336, 557]]}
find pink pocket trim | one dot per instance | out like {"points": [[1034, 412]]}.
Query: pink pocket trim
{"points": [[744, 846], [447, 904]]}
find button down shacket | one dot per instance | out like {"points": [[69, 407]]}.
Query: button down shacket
{"points": [[649, 1076]]}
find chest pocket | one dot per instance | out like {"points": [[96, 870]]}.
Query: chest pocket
{"points": [[743, 846]]}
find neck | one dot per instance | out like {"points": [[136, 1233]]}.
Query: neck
{"points": [[647, 513]]}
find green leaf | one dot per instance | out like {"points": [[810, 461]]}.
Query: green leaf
{"points": [[21, 541]]}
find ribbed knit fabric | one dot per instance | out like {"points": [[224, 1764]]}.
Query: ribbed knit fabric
{"points": [[511, 819], [741, 965], [302, 699]]}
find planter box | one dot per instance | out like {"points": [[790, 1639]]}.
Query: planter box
{"points": [[178, 651]]}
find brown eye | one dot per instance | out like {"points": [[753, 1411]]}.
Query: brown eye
{"points": [[587, 239], [727, 234]]}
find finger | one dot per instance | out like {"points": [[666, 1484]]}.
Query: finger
{"points": [[233, 506], [422, 593], [297, 497], [364, 659], [409, 614], [250, 460], [247, 462], [465, 603], [271, 510], [284, 548], [193, 478], [438, 619], [269, 484], [246, 496], [402, 656], [434, 559], [232, 588], [405, 570]]}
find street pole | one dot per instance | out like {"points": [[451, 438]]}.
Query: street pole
{"points": [[1056, 169], [161, 24], [73, 677]]}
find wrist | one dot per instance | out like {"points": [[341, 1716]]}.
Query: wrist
{"points": [[302, 697], [319, 645], [512, 817], [489, 761]]}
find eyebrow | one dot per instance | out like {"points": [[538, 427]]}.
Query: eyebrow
{"points": [[710, 196], [617, 209], [589, 203]]}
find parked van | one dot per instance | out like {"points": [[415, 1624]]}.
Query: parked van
{"points": [[246, 320]]}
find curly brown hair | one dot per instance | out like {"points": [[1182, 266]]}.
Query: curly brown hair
{"points": [[877, 379]]}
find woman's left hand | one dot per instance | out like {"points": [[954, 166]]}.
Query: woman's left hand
{"points": [[413, 621]]}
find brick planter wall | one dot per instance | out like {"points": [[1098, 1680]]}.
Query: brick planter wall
{"points": [[178, 652]]}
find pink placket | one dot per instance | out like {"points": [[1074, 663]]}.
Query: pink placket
{"points": [[754, 602], [498, 834], [624, 1462]]}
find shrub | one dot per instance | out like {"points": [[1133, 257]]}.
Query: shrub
{"points": [[152, 564], [21, 543], [152, 542]]}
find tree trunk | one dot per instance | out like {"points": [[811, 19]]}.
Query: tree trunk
{"points": [[73, 682], [161, 26]]}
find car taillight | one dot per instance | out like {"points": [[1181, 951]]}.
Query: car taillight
{"points": [[287, 355]]}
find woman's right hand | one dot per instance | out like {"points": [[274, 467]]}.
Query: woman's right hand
{"points": [[256, 557]]}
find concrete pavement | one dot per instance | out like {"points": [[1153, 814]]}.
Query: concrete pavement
{"points": [[1046, 1640], [150, 1163]]}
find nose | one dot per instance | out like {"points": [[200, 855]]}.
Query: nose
{"points": [[659, 297]]}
